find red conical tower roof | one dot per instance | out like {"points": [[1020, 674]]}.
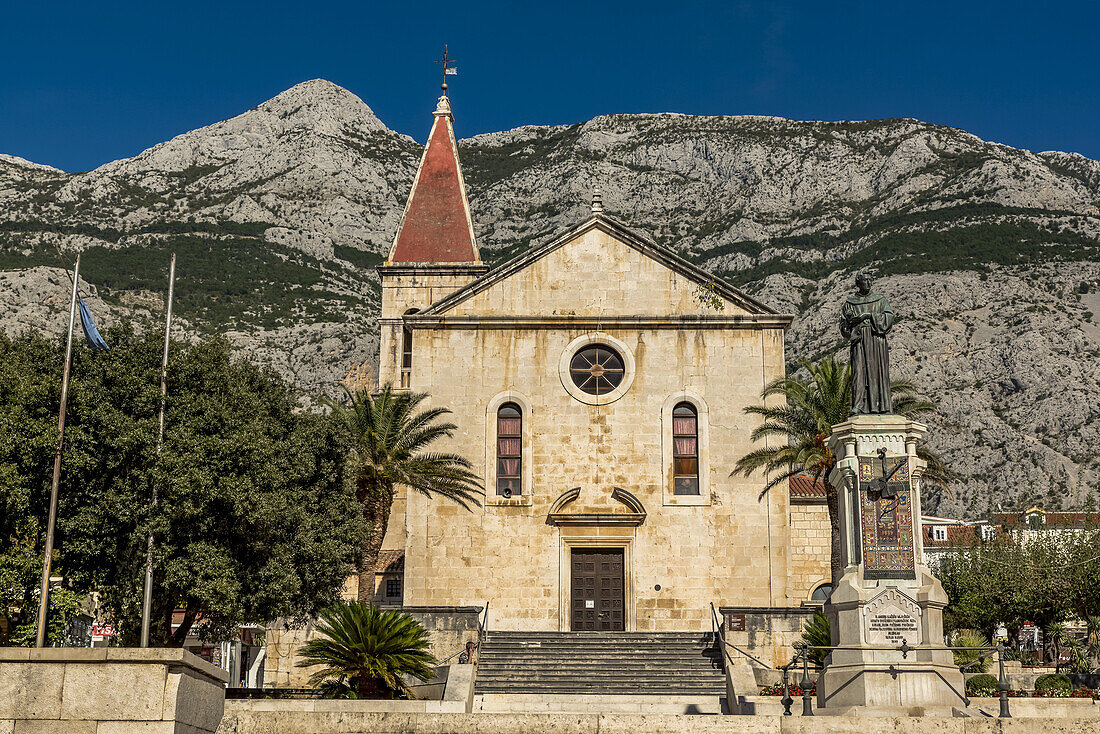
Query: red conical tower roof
{"points": [[436, 226]]}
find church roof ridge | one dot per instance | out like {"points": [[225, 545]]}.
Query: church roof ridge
{"points": [[436, 226], [634, 239]]}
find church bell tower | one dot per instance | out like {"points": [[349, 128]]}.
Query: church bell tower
{"points": [[434, 251]]}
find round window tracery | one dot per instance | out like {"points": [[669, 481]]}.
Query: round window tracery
{"points": [[597, 369]]}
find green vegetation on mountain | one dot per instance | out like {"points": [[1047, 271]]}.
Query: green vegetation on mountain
{"points": [[910, 252]]}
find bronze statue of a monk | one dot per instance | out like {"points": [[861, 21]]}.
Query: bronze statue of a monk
{"points": [[865, 320]]}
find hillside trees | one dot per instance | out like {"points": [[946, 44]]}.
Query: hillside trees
{"points": [[255, 519]]}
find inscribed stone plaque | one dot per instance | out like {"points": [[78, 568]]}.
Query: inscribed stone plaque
{"points": [[886, 518], [892, 618]]}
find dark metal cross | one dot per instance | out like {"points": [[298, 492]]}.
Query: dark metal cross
{"points": [[445, 61]]}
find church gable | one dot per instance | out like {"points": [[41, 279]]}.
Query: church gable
{"points": [[599, 269]]}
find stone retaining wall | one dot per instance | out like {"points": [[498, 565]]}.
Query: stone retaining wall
{"points": [[342, 720], [108, 691]]}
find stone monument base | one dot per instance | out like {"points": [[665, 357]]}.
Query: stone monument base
{"points": [[887, 598]]}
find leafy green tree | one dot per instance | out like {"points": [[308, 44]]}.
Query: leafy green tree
{"points": [[1039, 576], [64, 605], [368, 650], [256, 516], [389, 448], [798, 415]]}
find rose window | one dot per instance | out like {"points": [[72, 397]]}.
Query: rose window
{"points": [[596, 369]]}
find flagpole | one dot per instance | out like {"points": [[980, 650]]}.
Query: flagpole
{"points": [[43, 601], [147, 601]]}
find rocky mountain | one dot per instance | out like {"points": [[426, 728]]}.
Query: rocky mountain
{"points": [[991, 254]]}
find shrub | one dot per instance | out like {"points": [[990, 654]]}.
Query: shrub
{"points": [[982, 685], [367, 651], [1054, 685]]}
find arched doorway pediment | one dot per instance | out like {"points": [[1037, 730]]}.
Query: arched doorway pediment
{"points": [[562, 514]]}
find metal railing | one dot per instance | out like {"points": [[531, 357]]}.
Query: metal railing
{"points": [[904, 648], [804, 684], [482, 634], [716, 628], [452, 656], [483, 626]]}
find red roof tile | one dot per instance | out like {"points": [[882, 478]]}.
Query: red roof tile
{"points": [[806, 485], [957, 535], [390, 561], [435, 227], [1049, 519]]}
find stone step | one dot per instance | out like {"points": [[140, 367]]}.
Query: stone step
{"points": [[597, 703], [595, 645], [602, 654], [595, 666], [590, 674], [610, 645], [601, 636], [599, 663], [619, 690], [484, 669], [626, 684]]}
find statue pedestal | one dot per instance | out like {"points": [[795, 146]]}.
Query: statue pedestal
{"points": [[886, 596]]}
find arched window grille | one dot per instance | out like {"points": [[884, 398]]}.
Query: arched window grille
{"points": [[509, 450], [685, 449]]}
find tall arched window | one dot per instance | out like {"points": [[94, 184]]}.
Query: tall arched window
{"points": [[685, 449], [509, 449], [407, 351]]}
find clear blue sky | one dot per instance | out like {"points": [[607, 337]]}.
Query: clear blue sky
{"points": [[84, 83]]}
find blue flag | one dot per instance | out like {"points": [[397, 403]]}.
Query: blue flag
{"points": [[95, 341]]}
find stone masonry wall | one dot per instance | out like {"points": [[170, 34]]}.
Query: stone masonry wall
{"points": [[810, 549], [727, 546]]}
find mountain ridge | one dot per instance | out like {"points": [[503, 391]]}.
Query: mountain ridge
{"points": [[279, 215]]}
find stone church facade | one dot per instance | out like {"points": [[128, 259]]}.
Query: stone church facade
{"points": [[598, 383]]}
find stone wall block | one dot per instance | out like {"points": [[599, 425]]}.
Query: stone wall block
{"points": [[114, 692], [30, 691], [145, 727], [30, 726], [192, 702]]}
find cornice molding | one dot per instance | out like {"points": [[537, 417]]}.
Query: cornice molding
{"points": [[740, 321]]}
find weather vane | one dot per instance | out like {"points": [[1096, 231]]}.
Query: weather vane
{"points": [[447, 70]]}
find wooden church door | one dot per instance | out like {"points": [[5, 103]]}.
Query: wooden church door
{"points": [[597, 589]]}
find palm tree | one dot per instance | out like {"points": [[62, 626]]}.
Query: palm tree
{"points": [[817, 634], [1092, 641], [368, 650], [390, 441], [802, 422]]}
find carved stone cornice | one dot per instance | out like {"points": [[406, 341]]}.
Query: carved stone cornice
{"points": [[559, 514]]}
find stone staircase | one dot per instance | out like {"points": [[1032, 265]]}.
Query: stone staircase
{"points": [[600, 664]]}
